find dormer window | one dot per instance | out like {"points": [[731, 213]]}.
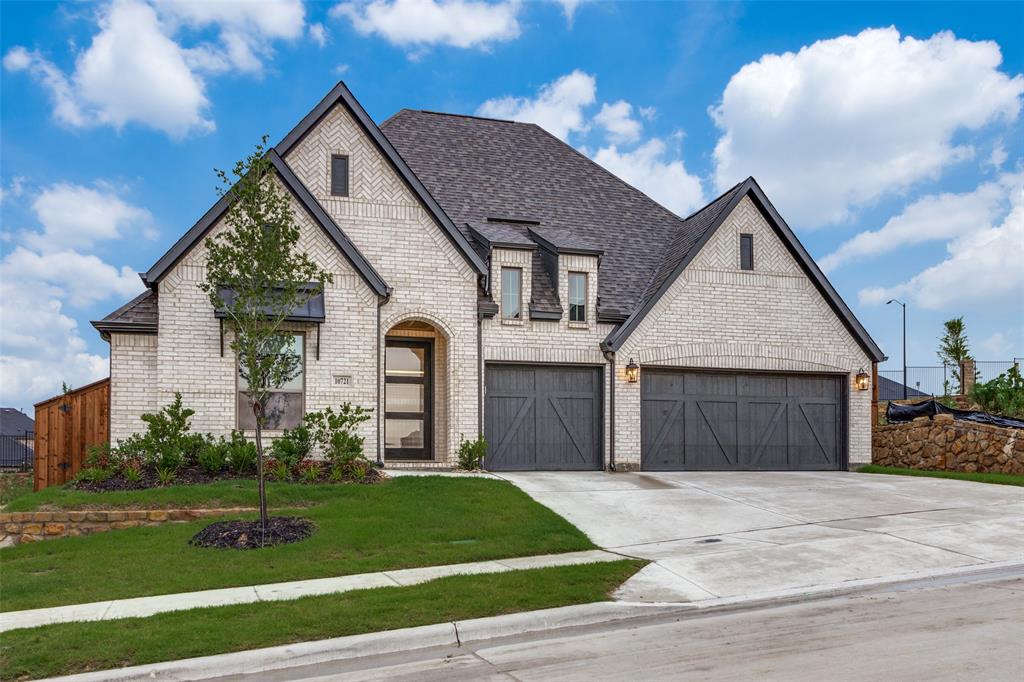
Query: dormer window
{"points": [[746, 252], [511, 293], [339, 175], [577, 297]]}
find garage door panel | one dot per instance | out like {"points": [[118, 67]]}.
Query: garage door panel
{"points": [[561, 431], [703, 420]]}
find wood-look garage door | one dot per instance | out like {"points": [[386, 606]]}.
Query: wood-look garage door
{"points": [[543, 418], [695, 420]]}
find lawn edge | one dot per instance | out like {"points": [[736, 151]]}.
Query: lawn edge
{"points": [[986, 477]]}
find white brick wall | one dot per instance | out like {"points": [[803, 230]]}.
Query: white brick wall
{"points": [[718, 316], [133, 359]]}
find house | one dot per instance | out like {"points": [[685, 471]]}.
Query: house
{"points": [[17, 443], [889, 389], [490, 278]]}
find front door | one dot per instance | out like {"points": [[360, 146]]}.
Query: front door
{"points": [[408, 395]]}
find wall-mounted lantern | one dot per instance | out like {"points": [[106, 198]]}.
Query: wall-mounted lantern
{"points": [[863, 381], [632, 371]]}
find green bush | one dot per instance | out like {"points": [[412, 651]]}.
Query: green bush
{"points": [[335, 432], [293, 446], [93, 475], [278, 470], [309, 471], [241, 454], [100, 457], [1003, 395], [165, 474], [213, 457], [471, 453], [167, 443]]}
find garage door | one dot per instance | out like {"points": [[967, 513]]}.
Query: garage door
{"points": [[732, 421], [540, 417]]}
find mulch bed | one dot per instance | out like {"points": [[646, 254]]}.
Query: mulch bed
{"points": [[194, 475], [281, 530]]}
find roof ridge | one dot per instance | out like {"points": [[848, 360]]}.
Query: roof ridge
{"points": [[716, 199], [434, 112]]}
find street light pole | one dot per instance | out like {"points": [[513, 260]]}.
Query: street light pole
{"points": [[904, 306]]}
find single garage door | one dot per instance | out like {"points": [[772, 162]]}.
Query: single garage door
{"points": [[543, 417], [694, 420]]}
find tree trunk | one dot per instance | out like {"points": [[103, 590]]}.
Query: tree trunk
{"points": [[257, 410]]}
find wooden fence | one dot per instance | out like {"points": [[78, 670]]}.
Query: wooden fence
{"points": [[66, 425]]}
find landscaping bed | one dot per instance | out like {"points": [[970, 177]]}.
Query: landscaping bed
{"points": [[280, 530], [977, 477], [79, 647], [406, 522]]}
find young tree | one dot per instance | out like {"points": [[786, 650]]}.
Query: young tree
{"points": [[953, 346], [255, 277]]}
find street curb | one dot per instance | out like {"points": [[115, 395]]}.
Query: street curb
{"points": [[377, 643]]}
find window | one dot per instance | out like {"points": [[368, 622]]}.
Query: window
{"points": [[746, 252], [285, 407], [577, 297], [339, 176], [511, 293]]}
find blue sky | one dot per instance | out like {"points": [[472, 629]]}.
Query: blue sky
{"points": [[888, 134]]}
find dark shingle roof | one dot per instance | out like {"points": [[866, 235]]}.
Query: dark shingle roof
{"points": [[139, 315], [483, 168], [14, 422]]}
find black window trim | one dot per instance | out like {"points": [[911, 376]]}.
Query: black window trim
{"points": [[749, 239], [586, 294], [348, 171]]}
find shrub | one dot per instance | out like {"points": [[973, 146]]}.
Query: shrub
{"points": [[309, 471], [241, 454], [93, 475], [278, 470], [213, 457], [335, 432], [471, 453], [133, 472], [165, 475], [167, 441], [1003, 395], [100, 457], [293, 446]]}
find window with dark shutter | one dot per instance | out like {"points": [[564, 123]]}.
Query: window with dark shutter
{"points": [[746, 252], [339, 175]]}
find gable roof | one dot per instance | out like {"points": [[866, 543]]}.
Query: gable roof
{"points": [[341, 94], [312, 206], [138, 316], [699, 229], [14, 422]]}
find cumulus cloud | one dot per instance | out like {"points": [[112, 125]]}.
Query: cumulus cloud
{"points": [[617, 120], [649, 169], [40, 343], [557, 108], [569, 8], [997, 345], [934, 217], [982, 267], [423, 23], [318, 33], [135, 71], [847, 121]]}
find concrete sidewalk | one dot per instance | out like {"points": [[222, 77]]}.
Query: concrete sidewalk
{"points": [[148, 606]]}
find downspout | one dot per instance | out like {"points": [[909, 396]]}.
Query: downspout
{"points": [[479, 376], [380, 442], [610, 357]]}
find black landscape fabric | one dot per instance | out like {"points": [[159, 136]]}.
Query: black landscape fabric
{"points": [[929, 408]]}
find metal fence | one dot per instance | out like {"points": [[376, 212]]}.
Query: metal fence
{"points": [[936, 380], [17, 452]]}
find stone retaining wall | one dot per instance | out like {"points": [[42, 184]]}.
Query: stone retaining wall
{"points": [[18, 527], [942, 443]]}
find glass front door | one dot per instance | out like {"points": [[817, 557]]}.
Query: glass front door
{"points": [[408, 396]]}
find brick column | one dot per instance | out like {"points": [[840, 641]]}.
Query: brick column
{"points": [[967, 374]]}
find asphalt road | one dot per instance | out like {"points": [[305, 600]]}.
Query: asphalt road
{"points": [[966, 630]]}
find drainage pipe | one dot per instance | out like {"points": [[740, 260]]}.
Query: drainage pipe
{"points": [[610, 357]]}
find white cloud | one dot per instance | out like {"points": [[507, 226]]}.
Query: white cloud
{"points": [[558, 107], [74, 216], [998, 156], [997, 345], [983, 267], [847, 121], [135, 71], [422, 23], [318, 33], [80, 279], [664, 180], [569, 8], [617, 120], [931, 218]]}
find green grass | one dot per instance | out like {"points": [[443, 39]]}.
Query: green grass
{"points": [[14, 487], [232, 493], [403, 523], [1001, 479], [77, 647]]}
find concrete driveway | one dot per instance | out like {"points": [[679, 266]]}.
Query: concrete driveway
{"points": [[733, 534]]}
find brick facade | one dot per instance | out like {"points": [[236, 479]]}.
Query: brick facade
{"points": [[133, 362]]}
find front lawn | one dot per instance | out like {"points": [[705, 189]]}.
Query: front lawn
{"points": [[239, 492], [77, 647], [402, 523], [1002, 479]]}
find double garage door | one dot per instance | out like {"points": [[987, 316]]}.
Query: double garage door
{"points": [[737, 421], [540, 417]]}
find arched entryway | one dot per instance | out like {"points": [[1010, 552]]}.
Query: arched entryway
{"points": [[415, 392]]}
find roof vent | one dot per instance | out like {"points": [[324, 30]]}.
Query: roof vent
{"points": [[516, 221]]}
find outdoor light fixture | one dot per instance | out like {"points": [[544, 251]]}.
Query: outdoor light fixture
{"points": [[863, 381], [632, 371]]}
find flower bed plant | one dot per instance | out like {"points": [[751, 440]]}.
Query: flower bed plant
{"points": [[170, 453]]}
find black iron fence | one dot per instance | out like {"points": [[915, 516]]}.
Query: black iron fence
{"points": [[17, 452], [936, 380]]}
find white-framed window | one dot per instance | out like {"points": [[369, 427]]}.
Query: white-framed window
{"points": [[577, 297], [286, 405], [511, 293]]}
